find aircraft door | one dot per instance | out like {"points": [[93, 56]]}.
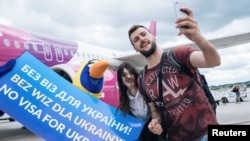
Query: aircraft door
{"points": [[47, 52], [59, 54]]}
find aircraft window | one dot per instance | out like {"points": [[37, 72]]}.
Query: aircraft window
{"points": [[72, 53], [17, 44], [93, 56], [7, 42], [26, 45], [88, 55], [77, 53], [35, 47], [66, 52], [83, 55]]}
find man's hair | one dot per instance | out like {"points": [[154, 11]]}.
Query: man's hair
{"points": [[132, 29]]}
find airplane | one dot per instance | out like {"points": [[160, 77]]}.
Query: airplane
{"points": [[64, 57]]}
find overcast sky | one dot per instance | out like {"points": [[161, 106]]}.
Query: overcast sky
{"points": [[106, 22]]}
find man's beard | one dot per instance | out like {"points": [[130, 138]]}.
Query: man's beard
{"points": [[150, 51]]}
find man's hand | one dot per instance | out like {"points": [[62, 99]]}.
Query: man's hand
{"points": [[208, 55], [155, 127], [192, 32]]}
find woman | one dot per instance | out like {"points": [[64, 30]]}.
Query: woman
{"points": [[131, 101]]}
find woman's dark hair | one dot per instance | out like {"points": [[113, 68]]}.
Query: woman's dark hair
{"points": [[124, 99]]}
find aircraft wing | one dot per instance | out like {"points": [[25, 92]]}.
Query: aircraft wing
{"points": [[220, 43]]}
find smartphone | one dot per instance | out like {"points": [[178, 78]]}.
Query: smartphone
{"points": [[178, 12]]}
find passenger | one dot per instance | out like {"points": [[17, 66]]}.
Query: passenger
{"points": [[236, 89], [187, 110], [131, 101]]}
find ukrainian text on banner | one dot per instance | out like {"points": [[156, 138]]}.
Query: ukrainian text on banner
{"points": [[54, 109]]}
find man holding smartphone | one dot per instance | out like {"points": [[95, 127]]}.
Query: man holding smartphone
{"points": [[187, 112]]}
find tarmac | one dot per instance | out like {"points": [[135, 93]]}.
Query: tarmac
{"points": [[232, 113], [229, 113]]}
